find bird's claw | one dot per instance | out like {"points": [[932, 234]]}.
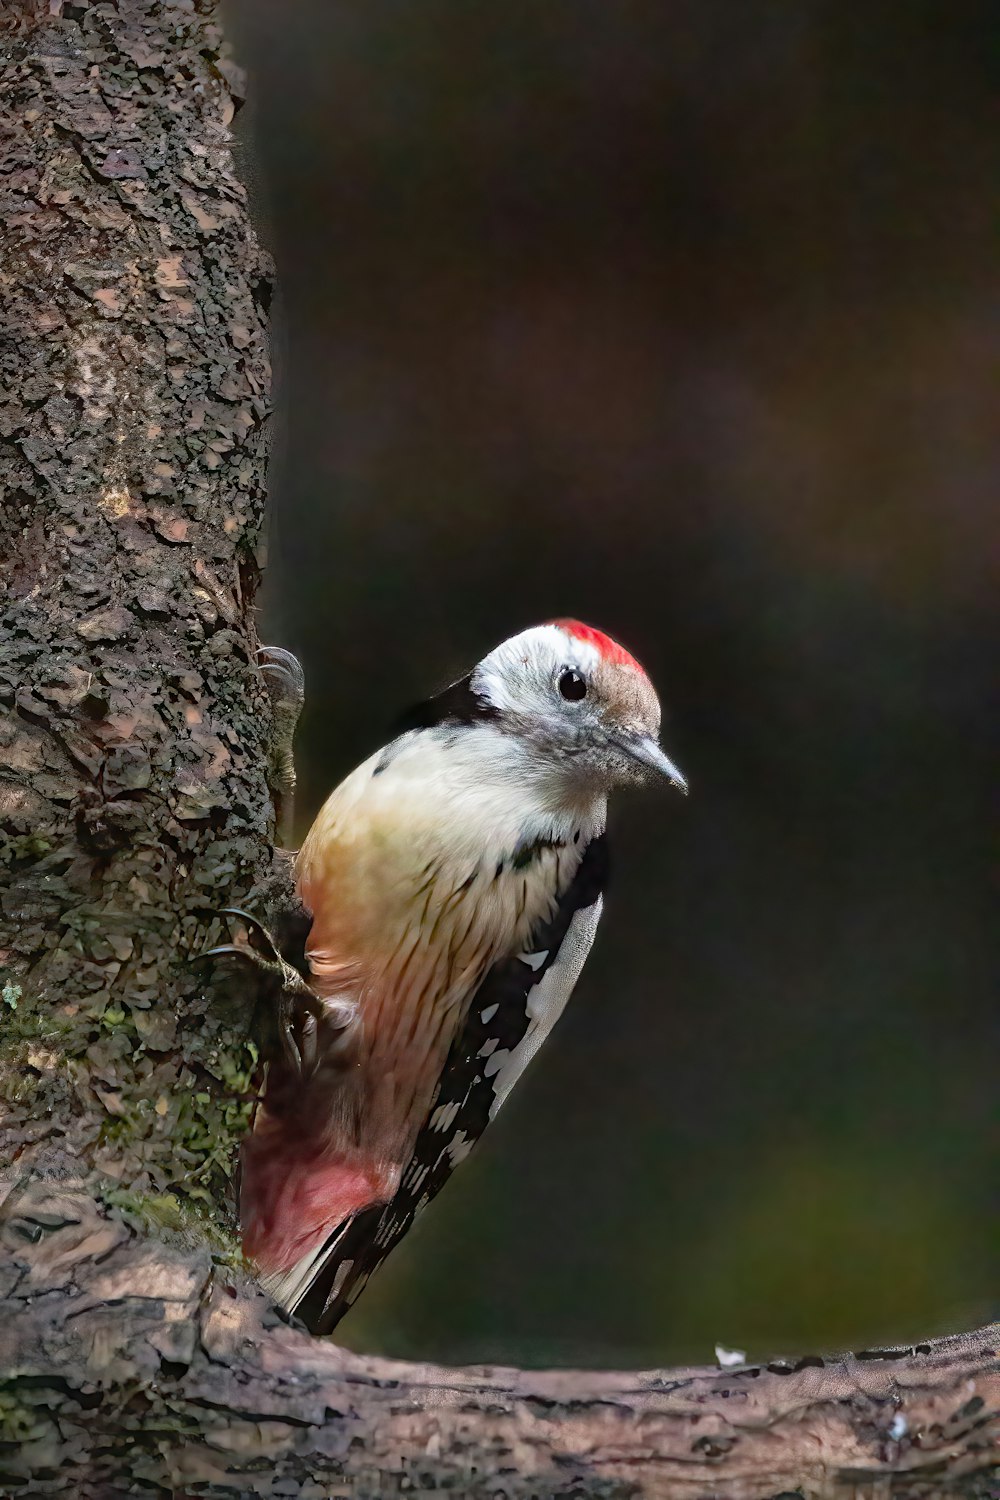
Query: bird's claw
{"points": [[239, 950], [268, 958], [285, 682], [256, 929], [295, 1002]]}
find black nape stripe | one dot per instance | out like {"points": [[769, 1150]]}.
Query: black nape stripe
{"points": [[458, 704]]}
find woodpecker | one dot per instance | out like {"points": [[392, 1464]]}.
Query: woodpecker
{"points": [[454, 883]]}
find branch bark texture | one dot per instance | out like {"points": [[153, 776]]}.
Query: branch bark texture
{"points": [[134, 1366], [136, 1355]]}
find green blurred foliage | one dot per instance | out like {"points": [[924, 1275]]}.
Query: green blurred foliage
{"points": [[680, 318]]}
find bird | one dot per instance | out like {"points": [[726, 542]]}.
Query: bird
{"points": [[452, 885]]}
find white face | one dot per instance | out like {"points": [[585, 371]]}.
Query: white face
{"points": [[578, 701]]}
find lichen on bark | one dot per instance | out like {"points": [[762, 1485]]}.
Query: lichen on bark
{"points": [[134, 387]]}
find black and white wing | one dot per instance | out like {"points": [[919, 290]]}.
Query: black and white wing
{"points": [[510, 1016]]}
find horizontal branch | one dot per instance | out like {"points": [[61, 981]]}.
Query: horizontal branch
{"points": [[126, 1362]]}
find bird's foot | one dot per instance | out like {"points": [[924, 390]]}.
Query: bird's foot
{"points": [[285, 683], [262, 951], [292, 1011]]}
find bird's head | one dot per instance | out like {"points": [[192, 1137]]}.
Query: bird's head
{"points": [[578, 701]]}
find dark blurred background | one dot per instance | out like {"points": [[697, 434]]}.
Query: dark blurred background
{"points": [[680, 316]]}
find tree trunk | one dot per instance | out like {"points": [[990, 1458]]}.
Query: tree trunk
{"points": [[134, 1351], [134, 795]]}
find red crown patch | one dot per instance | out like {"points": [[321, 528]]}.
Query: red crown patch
{"points": [[609, 649]]}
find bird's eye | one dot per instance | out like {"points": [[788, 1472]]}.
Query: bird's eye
{"points": [[572, 685]]}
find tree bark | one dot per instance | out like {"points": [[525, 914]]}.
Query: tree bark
{"points": [[133, 419], [135, 1353]]}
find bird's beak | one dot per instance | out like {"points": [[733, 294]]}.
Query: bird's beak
{"points": [[645, 749]]}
